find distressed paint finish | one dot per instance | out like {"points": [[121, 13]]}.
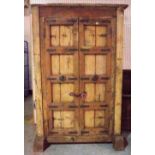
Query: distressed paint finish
{"points": [[37, 71], [118, 80]]}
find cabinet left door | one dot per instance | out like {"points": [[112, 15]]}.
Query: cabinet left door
{"points": [[60, 74]]}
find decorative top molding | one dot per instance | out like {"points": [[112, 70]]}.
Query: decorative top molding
{"points": [[81, 1], [109, 3]]}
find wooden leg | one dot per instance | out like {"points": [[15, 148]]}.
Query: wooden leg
{"points": [[119, 142], [40, 144]]}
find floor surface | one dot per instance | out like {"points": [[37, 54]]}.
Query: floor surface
{"points": [[65, 149]]}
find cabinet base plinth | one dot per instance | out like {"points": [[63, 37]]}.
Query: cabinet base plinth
{"points": [[40, 144], [119, 142]]}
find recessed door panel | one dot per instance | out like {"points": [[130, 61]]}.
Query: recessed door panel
{"points": [[101, 64], [54, 35], [63, 119], [62, 35], [95, 119], [101, 36], [66, 64], [89, 64], [95, 64], [55, 64], [90, 89], [100, 118], [56, 92], [100, 92], [89, 119], [89, 36], [66, 89], [62, 64], [66, 35]]}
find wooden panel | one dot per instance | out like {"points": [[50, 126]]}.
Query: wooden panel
{"points": [[89, 64], [65, 91], [93, 65], [55, 35], [89, 118], [101, 36], [64, 119], [55, 64], [66, 35], [118, 84], [90, 89], [100, 64], [89, 35], [100, 92], [99, 118], [68, 119], [57, 119], [37, 71], [66, 64], [56, 93]]}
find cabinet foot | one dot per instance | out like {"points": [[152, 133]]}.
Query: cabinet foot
{"points": [[119, 142], [40, 144]]}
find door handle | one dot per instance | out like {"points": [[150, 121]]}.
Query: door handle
{"points": [[81, 95]]}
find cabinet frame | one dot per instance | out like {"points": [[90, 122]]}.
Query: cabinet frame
{"points": [[40, 142]]}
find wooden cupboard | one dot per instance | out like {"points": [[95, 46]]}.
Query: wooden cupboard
{"points": [[77, 67]]}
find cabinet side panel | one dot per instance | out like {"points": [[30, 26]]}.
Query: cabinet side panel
{"points": [[37, 70], [118, 78]]}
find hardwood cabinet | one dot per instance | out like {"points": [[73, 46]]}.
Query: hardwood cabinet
{"points": [[77, 57]]}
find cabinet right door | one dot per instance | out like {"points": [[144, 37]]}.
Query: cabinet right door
{"points": [[96, 76]]}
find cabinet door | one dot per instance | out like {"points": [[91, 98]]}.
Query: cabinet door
{"points": [[95, 76], [77, 77], [61, 75]]}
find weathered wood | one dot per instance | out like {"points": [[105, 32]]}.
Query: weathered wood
{"points": [[101, 64], [80, 139], [118, 74], [78, 61], [40, 144], [119, 142], [37, 71], [45, 70], [107, 6]]}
